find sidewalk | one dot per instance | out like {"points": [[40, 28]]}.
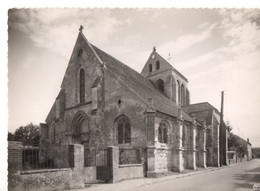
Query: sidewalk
{"points": [[135, 183]]}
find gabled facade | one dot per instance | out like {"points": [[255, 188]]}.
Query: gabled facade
{"points": [[103, 102]]}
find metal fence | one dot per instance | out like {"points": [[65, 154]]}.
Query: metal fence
{"points": [[95, 157], [129, 156], [30, 157], [56, 157]]}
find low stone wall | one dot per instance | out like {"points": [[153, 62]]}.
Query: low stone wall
{"points": [[129, 171], [45, 179], [121, 172], [14, 156], [41, 180], [90, 174]]}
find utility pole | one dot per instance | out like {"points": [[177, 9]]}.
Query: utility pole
{"points": [[222, 134]]}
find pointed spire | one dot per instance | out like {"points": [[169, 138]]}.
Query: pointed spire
{"points": [[81, 28]]}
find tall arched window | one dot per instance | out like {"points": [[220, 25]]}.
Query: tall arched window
{"points": [[123, 127], [178, 95], [80, 128], [157, 65], [82, 86], [182, 95], [163, 132], [160, 85]]}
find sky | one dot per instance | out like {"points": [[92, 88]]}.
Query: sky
{"points": [[215, 49]]}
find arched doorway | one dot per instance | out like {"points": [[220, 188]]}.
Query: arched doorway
{"points": [[80, 129]]}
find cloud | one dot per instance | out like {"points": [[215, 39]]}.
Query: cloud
{"points": [[188, 40], [55, 29]]}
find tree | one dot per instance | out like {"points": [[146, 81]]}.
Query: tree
{"points": [[232, 138], [235, 142], [29, 134]]}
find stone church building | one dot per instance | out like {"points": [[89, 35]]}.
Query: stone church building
{"points": [[103, 102]]}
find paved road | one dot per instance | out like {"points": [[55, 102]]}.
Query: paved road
{"points": [[239, 177]]}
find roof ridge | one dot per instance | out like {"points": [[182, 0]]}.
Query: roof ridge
{"points": [[90, 45]]}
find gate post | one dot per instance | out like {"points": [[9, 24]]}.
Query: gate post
{"points": [[76, 161], [112, 162]]}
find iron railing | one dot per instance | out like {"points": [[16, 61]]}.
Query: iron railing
{"points": [[95, 157], [33, 158]]}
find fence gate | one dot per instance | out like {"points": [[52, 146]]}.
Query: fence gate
{"points": [[98, 159]]}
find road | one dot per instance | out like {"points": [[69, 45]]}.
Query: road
{"points": [[238, 177]]}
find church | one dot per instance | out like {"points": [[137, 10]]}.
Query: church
{"points": [[103, 102]]}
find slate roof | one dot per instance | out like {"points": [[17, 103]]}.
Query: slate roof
{"points": [[240, 140], [199, 107], [140, 85]]}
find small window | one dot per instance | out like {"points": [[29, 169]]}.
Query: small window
{"points": [[150, 67], [157, 65], [123, 129]]}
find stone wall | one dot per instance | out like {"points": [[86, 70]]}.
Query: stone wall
{"points": [[14, 157], [163, 160], [45, 179], [121, 172]]}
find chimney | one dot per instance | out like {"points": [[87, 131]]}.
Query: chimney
{"points": [[247, 140]]}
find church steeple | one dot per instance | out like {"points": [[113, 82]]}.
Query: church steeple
{"points": [[168, 80]]}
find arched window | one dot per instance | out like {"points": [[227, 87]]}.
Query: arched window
{"points": [[163, 132], [178, 90], [82, 86], [123, 127], [160, 85], [150, 67], [80, 129], [157, 65], [182, 95], [160, 134]]}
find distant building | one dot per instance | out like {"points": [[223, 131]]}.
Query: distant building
{"points": [[206, 112], [103, 102], [256, 152], [242, 150]]}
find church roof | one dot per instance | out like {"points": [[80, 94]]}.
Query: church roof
{"points": [[199, 107], [140, 85]]}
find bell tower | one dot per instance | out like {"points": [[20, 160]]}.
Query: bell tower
{"points": [[167, 79]]}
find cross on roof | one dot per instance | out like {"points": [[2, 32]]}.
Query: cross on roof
{"points": [[81, 28]]}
